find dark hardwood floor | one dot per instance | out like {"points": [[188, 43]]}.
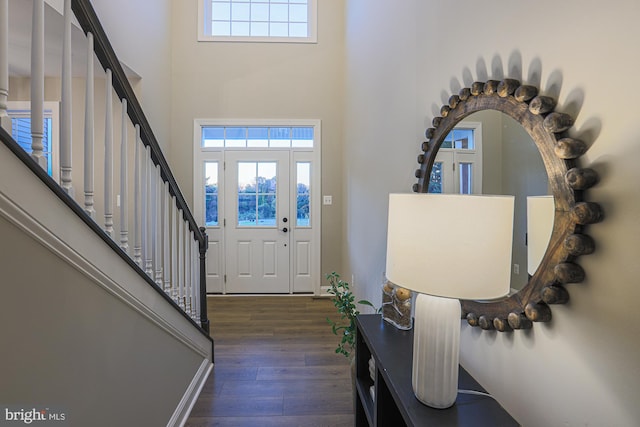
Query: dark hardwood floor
{"points": [[275, 365]]}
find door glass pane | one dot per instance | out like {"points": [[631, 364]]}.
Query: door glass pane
{"points": [[435, 180], [266, 210], [266, 179], [247, 210], [466, 178], [236, 137], [257, 194], [247, 177], [463, 139], [460, 139], [213, 136], [211, 193], [280, 137], [302, 137], [303, 178], [257, 137], [448, 141]]}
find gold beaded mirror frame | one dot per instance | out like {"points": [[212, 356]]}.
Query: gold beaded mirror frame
{"points": [[567, 182]]}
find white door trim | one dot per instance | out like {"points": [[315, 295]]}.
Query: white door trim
{"points": [[308, 283]]}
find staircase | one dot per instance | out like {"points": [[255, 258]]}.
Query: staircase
{"points": [[103, 313]]}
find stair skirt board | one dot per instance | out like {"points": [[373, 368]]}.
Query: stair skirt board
{"points": [[46, 219], [43, 217], [38, 232]]}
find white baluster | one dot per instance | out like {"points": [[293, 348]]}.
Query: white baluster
{"points": [[196, 264], [175, 215], [66, 113], [124, 181], [157, 229], [89, 133], [166, 238], [144, 217], [108, 157], [151, 230], [5, 121], [137, 202], [187, 271], [181, 293], [194, 275], [148, 230], [37, 84]]}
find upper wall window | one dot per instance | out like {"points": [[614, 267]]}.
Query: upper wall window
{"points": [[288, 21]]}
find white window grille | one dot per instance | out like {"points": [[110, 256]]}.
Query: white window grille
{"points": [[290, 21]]}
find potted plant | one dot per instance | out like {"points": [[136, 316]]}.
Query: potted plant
{"points": [[343, 300]]}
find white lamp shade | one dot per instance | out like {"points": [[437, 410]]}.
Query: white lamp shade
{"points": [[540, 217], [451, 245]]}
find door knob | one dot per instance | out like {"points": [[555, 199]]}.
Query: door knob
{"points": [[284, 220], [285, 229]]}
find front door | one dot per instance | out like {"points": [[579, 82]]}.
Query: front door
{"points": [[257, 189], [257, 221]]}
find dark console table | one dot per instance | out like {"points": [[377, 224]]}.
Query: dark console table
{"points": [[393, 403]]}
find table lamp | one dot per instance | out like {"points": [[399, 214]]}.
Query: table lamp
{"points": [[446, 247]]}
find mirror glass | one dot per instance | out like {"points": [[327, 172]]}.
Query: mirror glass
{"points": [[491, 153]]}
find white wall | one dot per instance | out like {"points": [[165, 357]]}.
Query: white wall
{"points": [[582, 368], [263, 81], [136, 26]]}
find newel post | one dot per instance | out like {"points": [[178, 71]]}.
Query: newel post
{"points": [[204, 244]]}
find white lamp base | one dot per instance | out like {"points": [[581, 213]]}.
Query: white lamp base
{"points": [[436, 346]]}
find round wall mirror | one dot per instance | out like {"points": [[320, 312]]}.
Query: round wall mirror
{"points": [[522, 148]]}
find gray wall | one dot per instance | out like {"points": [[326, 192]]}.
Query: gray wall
{"points": [[70, 345], [582, 368], [81, 330]]}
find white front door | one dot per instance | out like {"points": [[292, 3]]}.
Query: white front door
{"points": [[250, 184], [258, 221]]}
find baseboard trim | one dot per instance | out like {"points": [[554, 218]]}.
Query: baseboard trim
{"points": [[183, 410]]}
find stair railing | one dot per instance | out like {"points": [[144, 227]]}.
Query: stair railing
{"points": [[168, 248]]}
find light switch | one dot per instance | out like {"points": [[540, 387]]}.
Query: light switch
{"points": [[327, 200]]}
